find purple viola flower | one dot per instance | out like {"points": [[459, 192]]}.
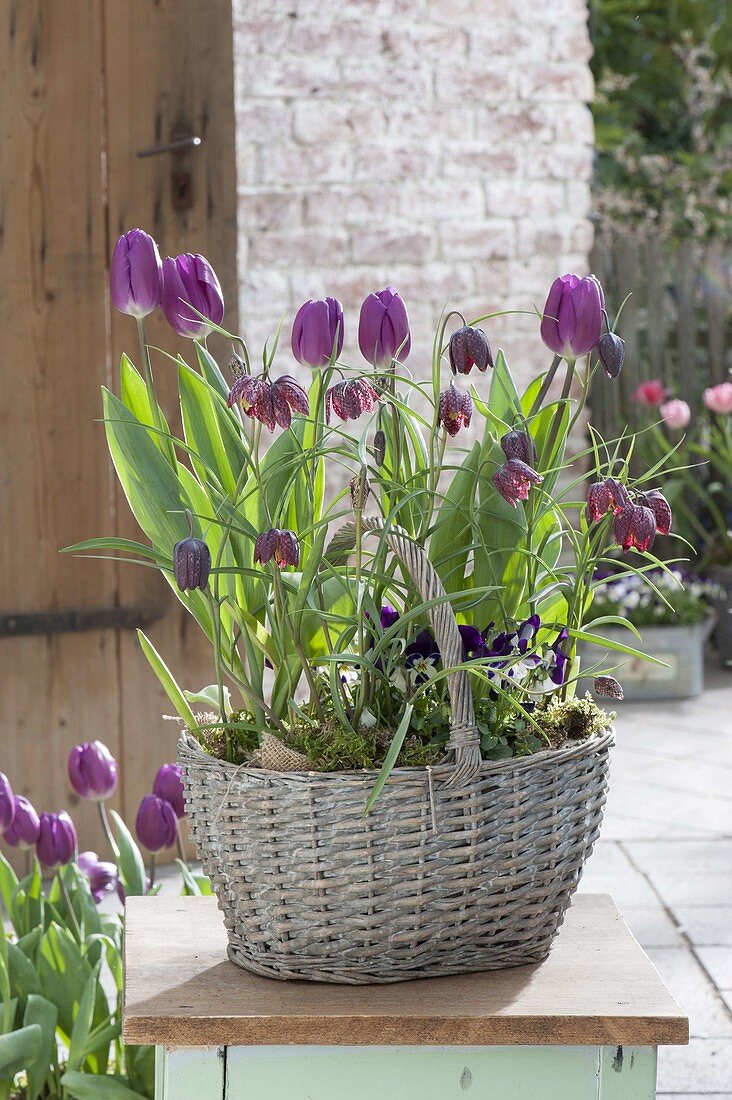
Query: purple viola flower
{"points": [[156, 824], [136, 274], [7, 803], [389, 615], [559, 659], [56, 842], [190, 288], [23, 833], [422, 655], [473, 642], [168, 785], [317, 332], [572, 319], [92, 771], [527, 632], [102, 876], [383, 329]]}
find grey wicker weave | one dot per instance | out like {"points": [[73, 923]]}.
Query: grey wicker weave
{"points": [[466, 866]]}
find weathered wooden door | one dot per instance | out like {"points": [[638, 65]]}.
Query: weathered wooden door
{"points": [[85, 86]]}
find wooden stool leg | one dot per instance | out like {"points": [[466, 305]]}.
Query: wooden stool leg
{"points": [[196, 1073]]}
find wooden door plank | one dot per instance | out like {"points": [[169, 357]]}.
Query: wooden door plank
{"points": [[53, 466], [191, 92]]}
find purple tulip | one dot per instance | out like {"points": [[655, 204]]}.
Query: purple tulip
{"points": [[317, 331], [156, 824], [190, 288], [122, 893], [572, 319], [383, 328], [23, 833], [102, 876], [168, 785], [56, 842], [7, 803], [92, 771], [136, 274]]}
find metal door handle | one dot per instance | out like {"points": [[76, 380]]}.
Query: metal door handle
{"points": [[170, 147]]}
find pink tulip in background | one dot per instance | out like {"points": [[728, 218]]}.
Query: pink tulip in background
{"points": [[718, 399], [676, 413], [650, 393]]}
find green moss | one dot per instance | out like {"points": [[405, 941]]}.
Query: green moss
{"points": [[574, 719], [330, 747]]}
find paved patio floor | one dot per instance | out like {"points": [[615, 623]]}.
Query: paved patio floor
{"points": [[666, 857]]}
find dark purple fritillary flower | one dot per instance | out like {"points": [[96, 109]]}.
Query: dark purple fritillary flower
{"points": [[606, 496], [191, 564], [517, 444], [469, 348], [611, 350], [608, 685], [514, 479], [635, 528], [350, 399], [455, 410], [282, 546], [661, 509]]}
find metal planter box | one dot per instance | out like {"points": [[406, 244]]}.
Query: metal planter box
{"points": [[681, 648]]}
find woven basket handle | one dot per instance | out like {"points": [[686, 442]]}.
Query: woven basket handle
{"points": [[464, 742]]}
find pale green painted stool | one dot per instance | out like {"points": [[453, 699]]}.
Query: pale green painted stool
{"points": [[586, 1023]]}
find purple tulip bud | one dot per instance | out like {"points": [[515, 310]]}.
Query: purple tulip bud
{"points": [[56, 842], [190, 288], [519, 444], [92, 771], [7, 803], [350, 399], [136, 274], [102, 875], [156, 824], [608, 685], [572, 319], [168, 785], [611, 350], [317, 332], [283, 546], [23, 833], [514, 479], [455, 409], [383, 328], [661, 509], [469, 348], [635, 528], [191, 564]]}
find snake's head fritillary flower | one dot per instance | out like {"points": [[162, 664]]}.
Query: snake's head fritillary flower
{"points": [[191, 564], [455, 409], [606, 496], [611, 350], [469, 348], [92, 771], [661, 509], [572, 319], [635, 528], [317, 332], [609, 686], [379, 447], [383, 329], [271, 403], [519, 444], [281, 546], [56, 842], [23, 833], [514, 479], [350, 399]]}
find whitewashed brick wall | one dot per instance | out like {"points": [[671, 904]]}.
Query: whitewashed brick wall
{"points": [[443, 146]]}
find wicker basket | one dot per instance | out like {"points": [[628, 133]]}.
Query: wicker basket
{"points": [[466, 866]]}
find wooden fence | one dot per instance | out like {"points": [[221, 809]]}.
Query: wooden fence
{"points": [[677, 322]]}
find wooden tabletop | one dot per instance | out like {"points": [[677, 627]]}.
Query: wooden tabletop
{"points": [[596, 987]]}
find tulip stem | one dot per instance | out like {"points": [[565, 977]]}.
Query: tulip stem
{"points": [[149, 382], [69, 906], [179, 840], [108, 832], [548, 379], [152, 871]]}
